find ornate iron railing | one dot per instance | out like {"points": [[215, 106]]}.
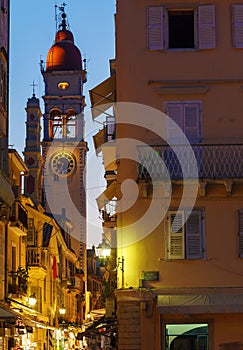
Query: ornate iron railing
{"points": [[37, 257], [219, 161]]}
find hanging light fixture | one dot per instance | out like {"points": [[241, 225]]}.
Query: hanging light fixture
{"points": [[104, 249]]}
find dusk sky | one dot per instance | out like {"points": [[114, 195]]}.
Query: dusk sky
{"points": [[33, 30]]}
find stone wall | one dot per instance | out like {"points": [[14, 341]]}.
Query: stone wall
{"points": [[129, 333]]}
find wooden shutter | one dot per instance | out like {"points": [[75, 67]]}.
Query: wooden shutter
{"points": [[31, 232], [192, 122], [194, 236], [206, 27], [188, 117], [176, 244], [240, 232], [155, 28], [175, 112], [237, 24]]}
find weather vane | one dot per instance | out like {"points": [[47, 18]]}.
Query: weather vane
{"points": [[62, 16]]}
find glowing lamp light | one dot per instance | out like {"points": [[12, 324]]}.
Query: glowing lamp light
{"points": [[32, 300], [62, 310], [63, 85], [103, 249]]}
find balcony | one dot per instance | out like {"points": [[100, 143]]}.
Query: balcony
{"points": [[109, 214], [104, 141], [18, 282], [75, 284], [211, 162], [37, 260]]}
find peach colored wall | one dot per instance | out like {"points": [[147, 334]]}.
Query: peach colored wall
{"points": [[221, 267], [220, 70], [136, 66], [221, 121]]}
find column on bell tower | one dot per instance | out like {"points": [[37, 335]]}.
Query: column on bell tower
{"points": [[32, 151]]}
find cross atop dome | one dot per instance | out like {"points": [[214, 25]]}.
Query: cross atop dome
{"points": [[63, 55]]}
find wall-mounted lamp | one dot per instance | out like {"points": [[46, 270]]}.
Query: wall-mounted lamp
{"points": [[32, 300], [104, 251], [62, 310]]}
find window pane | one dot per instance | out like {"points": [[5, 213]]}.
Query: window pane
{"points": [[181, 29], [187, 336]]}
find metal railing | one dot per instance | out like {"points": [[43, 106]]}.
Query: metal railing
{"points": [[109, 211], [218, 161], [37, 257]]}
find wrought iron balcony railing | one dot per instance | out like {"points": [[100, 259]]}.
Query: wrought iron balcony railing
{"points": [[219, 161], [37, 257]]}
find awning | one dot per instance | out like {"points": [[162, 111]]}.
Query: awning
{"points": [[106, 196], [18, 305], [102, 96], [198, 304], [99, 140], [103, 326], [7, 314]]}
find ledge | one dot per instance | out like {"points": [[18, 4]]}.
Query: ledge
{"points": [[182, 89]]}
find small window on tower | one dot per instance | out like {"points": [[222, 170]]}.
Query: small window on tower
{"points": [[63, 85]]}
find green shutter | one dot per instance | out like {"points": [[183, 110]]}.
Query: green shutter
{"points": [[176, 244]]}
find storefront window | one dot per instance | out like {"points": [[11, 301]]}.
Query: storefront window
{"points": [[186, 336]]}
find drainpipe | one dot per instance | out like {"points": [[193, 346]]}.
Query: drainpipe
{"points": [[6, 263]]}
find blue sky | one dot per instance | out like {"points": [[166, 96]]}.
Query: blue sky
{"points": [[33, 30]]}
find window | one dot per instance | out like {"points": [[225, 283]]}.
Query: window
{"points": [[63, 126], [31, 236], [237, 25], [186, 240], [188, 336], [110, 129], [187, 115], [14, 258], [181, 28]]}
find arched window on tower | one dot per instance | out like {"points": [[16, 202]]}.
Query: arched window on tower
{"points": [[63, 126]]}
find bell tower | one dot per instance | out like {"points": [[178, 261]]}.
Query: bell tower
{"points": [[32, 151], [63, 147]]}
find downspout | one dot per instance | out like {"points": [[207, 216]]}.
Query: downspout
{"points": [[6, 263]]}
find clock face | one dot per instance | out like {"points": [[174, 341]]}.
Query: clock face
{"points": [[63, 163]]}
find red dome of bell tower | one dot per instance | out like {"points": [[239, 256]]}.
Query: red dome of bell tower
{"points": [[63, 55]]}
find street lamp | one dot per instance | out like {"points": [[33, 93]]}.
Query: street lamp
{"points": [[104, 251]]}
